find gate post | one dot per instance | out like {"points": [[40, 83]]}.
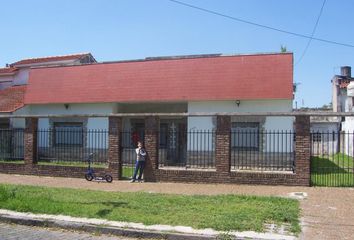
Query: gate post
{"points": [[114, 149], [151, 141], [30, 139], [223, 144], [302, 150]]}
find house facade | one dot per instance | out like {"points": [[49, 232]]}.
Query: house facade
{"points": [[254, 83], [343, 101]]}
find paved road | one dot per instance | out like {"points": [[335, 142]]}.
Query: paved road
{"points": [[20, 232]]}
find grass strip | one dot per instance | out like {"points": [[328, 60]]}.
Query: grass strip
{"points": [[221, 212]]}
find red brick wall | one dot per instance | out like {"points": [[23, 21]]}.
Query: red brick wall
{"points": [[221, 174]]}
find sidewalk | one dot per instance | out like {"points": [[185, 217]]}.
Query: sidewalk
{"points": [[327, 213]]}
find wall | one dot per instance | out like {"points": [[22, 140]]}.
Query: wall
{"points": [[21, 77], [329, 138], [100, 124], [6, 81], [348, 128], [266, 123]]}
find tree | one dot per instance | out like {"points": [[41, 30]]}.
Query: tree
{"points": [[283, 49]]}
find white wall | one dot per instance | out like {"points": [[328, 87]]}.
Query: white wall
{"points": [[272, 123], [348, 128], [249, 106], [100, 124], [21, 76], [329, 138]]}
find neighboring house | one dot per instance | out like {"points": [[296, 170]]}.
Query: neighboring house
{"points": [[14, 78], [325, 135], [343, 101]]}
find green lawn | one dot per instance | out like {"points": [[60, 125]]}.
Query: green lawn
{"points": [[74, 164], [12, 161], [222, 212], [332, 171]]}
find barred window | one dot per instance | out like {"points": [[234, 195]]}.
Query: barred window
{"points": [[68, 133]]}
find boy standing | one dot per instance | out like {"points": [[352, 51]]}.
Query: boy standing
{"points": [[140, 162]]}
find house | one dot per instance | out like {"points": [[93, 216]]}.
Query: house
{"points": [[246, 83], [343, 101], [14, 78], [177, 84]]}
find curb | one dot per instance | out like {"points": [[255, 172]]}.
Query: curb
{"points": [[102, 229], [126, 229]]}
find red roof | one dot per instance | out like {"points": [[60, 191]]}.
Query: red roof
{"points": [[263, 76], [50, 59], [12, 98], [8, 70]]}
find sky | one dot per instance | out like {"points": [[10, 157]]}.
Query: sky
{"points": [[133, 29]]}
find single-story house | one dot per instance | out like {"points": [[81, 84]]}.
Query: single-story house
{"points": [[178, 84]]}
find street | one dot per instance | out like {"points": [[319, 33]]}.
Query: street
{"points": [[21, 232]]}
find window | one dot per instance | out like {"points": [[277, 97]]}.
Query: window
{"points": [[68, 133], [245, 135], [4, 123], [163, 135]]}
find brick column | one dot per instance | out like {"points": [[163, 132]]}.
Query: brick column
{"points": [[151, 141], [30, 138], [114, 149], [223, 143], [302, 150]]}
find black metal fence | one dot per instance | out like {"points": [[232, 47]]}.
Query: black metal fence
{"points": [[187, 149], [72, 145], [11, 144], [263, 150], [332, 161]]}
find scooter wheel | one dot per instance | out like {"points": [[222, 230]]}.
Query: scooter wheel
{"points": [[88, 177], [108, 178]]}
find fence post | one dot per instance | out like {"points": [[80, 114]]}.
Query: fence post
{"points": [[223, 143], [302, 150], [114, 149], [30, 139], [151, 141]]}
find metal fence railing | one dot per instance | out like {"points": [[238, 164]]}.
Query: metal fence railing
{"points": [[187, 149], [72, 145], [262, 150], [332, 158], [11, 144]]}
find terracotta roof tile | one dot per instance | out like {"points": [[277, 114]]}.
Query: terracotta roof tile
{"points": [[50, 59], [8, 70], [243, 77], [12, 98]]}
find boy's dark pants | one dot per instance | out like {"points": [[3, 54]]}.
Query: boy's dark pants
{"points": [[139, 166]]}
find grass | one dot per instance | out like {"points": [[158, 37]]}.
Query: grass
{"points": [[74, 164], [12, 161], [222, 212], [336, 170]]}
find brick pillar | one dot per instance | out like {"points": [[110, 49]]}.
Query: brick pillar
{"points": [[114, 149], [302, 150], [30, 138], [151, 141], [223, 143]]}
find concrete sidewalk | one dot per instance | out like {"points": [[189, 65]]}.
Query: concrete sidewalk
{"points": [[327, 213]]}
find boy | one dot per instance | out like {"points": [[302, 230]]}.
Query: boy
{"points": [[140, 162]]}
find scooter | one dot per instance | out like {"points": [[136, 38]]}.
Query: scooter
{"points": [[90, 174]]}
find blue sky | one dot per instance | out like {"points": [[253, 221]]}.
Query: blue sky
{"points": [[129, 29]]}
